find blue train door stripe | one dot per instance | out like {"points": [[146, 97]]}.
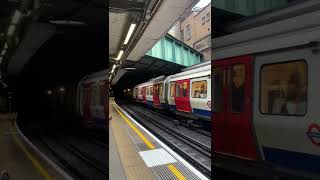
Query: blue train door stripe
{"points": [[294, 160], [202, 112]]}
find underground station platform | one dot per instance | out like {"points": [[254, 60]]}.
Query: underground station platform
{"points": [[19, 158], [135, 153]]}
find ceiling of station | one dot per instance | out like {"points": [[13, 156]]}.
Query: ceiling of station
{"points": [[148, 67], [118, 22], [59, 41], [154, 18]]}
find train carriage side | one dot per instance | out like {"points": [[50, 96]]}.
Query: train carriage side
{"points": [[149, 95], [169, 94], [192, 93], [266, 102], [139, 97], [159, 93], [92, 97]]}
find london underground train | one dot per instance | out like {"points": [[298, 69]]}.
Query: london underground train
{"points": [[187, 94], [92, 102], [266, 95]]}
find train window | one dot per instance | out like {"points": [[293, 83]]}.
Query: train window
{"points": [[151, 90], [185, 89], [284, 88], [94, 96], [178, 90], [102, 94], [172, 89], [199, 89], [219, 77], [82, 96], [237, 87], [160, 90], [156, 93]]}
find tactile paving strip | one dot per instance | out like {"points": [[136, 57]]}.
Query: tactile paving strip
{"points": [[156, 157]]}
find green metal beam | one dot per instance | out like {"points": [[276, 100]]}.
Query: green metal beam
{"points": [[170, 49]]}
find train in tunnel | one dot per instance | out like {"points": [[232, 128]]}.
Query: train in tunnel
{"points": [[92, 99], [186, 94]]}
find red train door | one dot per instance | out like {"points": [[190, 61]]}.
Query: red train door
{"points": [[156, 100], [232, 117], [182, 98], [144, 98]]}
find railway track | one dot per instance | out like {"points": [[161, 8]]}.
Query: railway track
{"points": [[193, 150], [79, 163], [189, 134], [170, 118]]}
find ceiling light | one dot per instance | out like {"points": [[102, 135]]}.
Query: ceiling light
{"points": [[119, 55], [3, 52], [131, 29], [5, 46], [49, 92], [64, 22], [61, 89], [11, 30], [130, 68], [16, 17], [113, 67]]}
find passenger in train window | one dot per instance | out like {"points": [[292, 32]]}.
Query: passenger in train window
{"points": [[278, 106], [203, 92], [296, 100], [177, 90], [184, 91], [237, 88]]}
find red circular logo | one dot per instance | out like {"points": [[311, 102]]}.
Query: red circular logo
{"points": [[314, 134]]}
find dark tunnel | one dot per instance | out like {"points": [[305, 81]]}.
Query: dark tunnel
{"points": [[58, 65]]}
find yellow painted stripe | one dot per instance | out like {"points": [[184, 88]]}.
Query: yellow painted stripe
{"points": [[36, 164], [172, 168], [176, 172], [144, 139]]}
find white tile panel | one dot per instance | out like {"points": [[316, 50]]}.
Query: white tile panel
{"points": [[157, 157]]}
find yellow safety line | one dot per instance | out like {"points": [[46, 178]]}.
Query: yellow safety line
{"points": [[144, 139], [171, 167], [176, 172], [37, 165]]}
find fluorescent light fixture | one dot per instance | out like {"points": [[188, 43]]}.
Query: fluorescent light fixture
{"points": [[131, 29], [11, 30], [6, 46], [113, 67], [63, 22], [16, 17], [119, 55], [130, 68]]}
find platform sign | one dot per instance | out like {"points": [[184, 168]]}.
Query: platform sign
{"points": [[314, 134]]}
